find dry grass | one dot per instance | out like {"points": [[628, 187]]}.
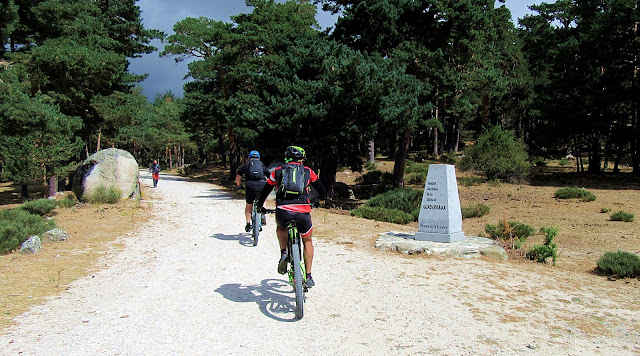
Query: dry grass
{"points": [[26, 280]]}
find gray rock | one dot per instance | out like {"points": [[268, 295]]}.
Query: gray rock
{"points": [[470, 247], [56, 234], [31, 245], [108, 168]]}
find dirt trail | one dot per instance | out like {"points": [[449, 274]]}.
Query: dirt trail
{"points": [[191, 283]]}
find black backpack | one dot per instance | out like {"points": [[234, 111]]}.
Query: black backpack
{"points": [[254, 170], [293, 183]]}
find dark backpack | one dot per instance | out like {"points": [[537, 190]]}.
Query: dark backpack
{"points": [[293, 183], [254, 170]]}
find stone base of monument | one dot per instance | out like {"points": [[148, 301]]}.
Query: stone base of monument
{"points": [[469, 247], [439, 237]]}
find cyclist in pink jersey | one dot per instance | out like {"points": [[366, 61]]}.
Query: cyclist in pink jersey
{"points": [[294, 208]]}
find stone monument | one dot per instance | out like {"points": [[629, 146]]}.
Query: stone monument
{"points": [[440, 218]]}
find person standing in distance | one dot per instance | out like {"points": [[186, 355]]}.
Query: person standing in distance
{"points": [[293, 207], [155, 172], [255, 174]]}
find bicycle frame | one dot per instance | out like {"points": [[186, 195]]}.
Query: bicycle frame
{"points": [[256, 223], [297, 273], [295, 239]]}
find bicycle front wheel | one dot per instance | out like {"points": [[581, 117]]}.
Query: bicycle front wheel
{"points": [[255, 220], [298, 280]]}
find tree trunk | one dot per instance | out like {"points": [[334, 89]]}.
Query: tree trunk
{"points": [[328, 171], [400, 159], [25, 191], [221, 149], [62, 184], [372, 151], [98, 140], [595, 156], [233, 163], [177, 154], [456, 137], [202, 156], [436, 152], [435, 142], [53, 186], [575, 155], [616, 162]]}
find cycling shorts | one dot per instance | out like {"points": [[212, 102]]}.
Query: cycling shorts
{"points": [[253, 188], [304, 220]]}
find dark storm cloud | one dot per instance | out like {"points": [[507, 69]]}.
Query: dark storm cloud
{"points": [[167, 75]]}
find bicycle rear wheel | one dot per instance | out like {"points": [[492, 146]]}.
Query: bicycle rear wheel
{"points": [[298, 280], [255, 223]]}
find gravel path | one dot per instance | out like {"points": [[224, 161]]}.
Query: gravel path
{"points": [[191, 283]]}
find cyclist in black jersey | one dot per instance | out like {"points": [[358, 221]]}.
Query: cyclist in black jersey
{"points": [[256, 174]]}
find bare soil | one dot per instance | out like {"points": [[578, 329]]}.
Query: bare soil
{"points": [[585, 233]]}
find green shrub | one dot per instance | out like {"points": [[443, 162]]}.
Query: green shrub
{"points": [[539, 161], [404, 199], [371, 177], [540, 253], [512, 232], [449, 158], [622, 264], [17, 225], [415, 167], [383, 214], [39, 207], [605, 210], [66, 202], [103, 195], [564, 162], [370, 166], [375, 177], [475, 211], [495, 182], [499, 155], [574, 193], [469, 181], [399, 206], [417, 178], [622, 216]]}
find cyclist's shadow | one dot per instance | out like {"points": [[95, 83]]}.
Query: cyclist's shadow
{"points": [[243, 238], [274, 297]]}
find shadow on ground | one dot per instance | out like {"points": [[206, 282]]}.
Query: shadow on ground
{"points": [[243, 238], [274, 297]]}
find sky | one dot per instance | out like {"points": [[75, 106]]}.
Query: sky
{"points": [[164, 74]]}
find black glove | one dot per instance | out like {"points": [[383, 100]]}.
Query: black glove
{"points": [[262, 210]]}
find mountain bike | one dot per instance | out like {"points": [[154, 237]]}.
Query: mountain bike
{"points": [[256, 222], [297, 274]]}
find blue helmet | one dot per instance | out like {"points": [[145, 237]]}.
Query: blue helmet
{"points": [[254, 154]]}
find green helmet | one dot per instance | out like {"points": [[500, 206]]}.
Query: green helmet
{"points": [[294, 153]]}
